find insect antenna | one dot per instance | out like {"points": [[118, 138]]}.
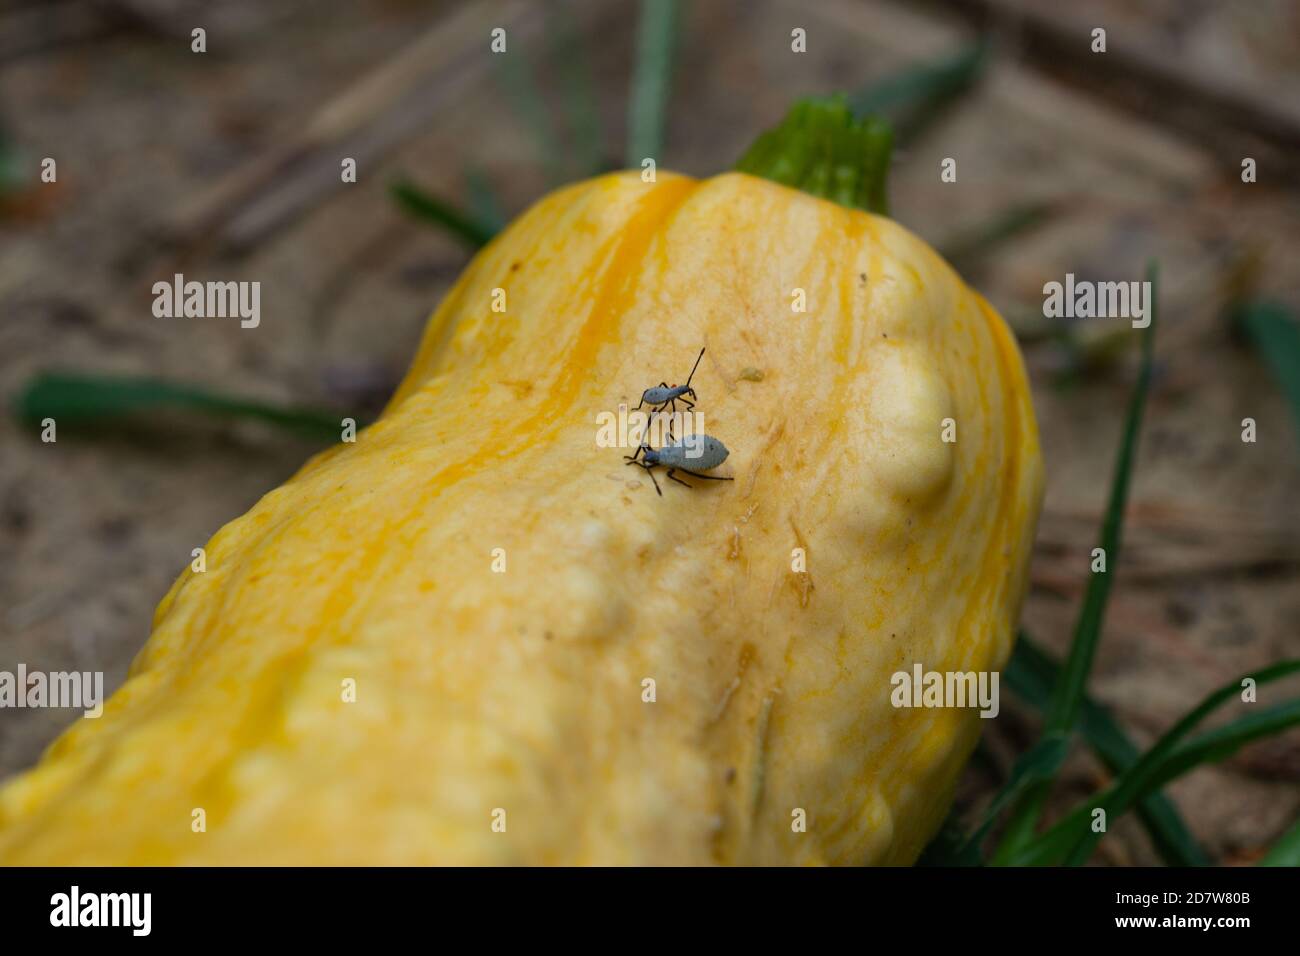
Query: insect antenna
{"points": [[694, 367]]}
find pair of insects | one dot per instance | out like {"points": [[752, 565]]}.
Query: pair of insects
{"points": [[690, 454]]}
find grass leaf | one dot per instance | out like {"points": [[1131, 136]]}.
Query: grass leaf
{"points": [[581, 105], [11, 167], [950, 847], [1031, 674], [1035, 767], [1067, 696], [911, 98], [656, 38], [422, 205], [484, 206], [965, 248], [1072, 839], [79, 400], [1286, 851], [1273, 330]]}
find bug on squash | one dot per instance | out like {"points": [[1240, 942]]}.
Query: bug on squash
{"points": [[702, 452], [663, 394]]}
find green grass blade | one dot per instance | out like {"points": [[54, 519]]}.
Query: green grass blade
{"points": [[432, 209], [1037, 766], [581, 105], [1067, 696], [11, 167], [1286, 851], [656, 38], [1072, 840], [910, 98], [80, 400], [1273, 330], [950, 847], [1031, 674], [1211, 747], [484, 205], [1217, 745], [964, 249]]}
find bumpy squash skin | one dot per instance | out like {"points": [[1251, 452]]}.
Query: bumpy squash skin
{"points": [[522, 690]]}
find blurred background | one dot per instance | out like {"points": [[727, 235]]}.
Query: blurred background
{"points": [[226, 165]]}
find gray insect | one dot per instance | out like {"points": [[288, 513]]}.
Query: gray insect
{"points": [[700, 452], [664, 395]]}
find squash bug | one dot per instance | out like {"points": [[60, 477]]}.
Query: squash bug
{"points": [[702, 452], [663, 394]]}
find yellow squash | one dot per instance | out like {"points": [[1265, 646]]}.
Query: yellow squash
{"points": [[503, 709]]}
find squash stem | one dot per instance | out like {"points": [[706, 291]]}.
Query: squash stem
{"points": [[822, 149]]}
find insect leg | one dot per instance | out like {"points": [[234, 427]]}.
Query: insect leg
{"points": [[649, 470], [655, 414], [675, 478], [670, 433], [696, 474], [690, 406]]}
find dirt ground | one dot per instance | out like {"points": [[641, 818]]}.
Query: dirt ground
{"points": [[226, 164]]}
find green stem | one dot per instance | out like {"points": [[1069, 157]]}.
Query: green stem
{"points": [[821, 149]]}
